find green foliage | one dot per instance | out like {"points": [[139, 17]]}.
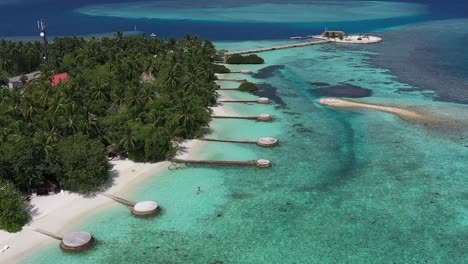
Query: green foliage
{"points": [[12, 212], [248, 87], [217, 68], [83, 164], [18, 58], [64, 134], [249, 59], [3, 78], [149, 143], [24, 162]]}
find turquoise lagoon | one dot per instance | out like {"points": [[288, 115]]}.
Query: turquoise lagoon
{"points": [[257, 11], [346, 187]]}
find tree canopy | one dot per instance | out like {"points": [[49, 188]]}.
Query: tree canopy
{"points": [[12, 213], [248, 87], [248, 59], [126, 97]]}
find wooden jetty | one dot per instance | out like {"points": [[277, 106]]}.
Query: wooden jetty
{"points": [[236, 117], [262, 117], [262, 142], [142, 209], [216, 162], [120, 200], [228, 140], [237, 101], [290, 46], [262, 100], [47, 233], [71, 241], [228, 89], [243, 72], [232, 80], [262, 163]]}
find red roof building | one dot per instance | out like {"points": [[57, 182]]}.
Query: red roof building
{"points": [[58, 78]]}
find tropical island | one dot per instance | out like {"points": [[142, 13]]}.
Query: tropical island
{"points": [[343, 37], [134, 98]]}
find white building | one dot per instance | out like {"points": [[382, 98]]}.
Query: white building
{"points": [[16, 82]]}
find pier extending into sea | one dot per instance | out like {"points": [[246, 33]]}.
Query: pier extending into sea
{"points": [[261, 163], [320, 39], [295, 45], [262, 142]]}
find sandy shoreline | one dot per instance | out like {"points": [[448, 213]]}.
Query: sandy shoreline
{"points": [[402, 113], [60, 212]]}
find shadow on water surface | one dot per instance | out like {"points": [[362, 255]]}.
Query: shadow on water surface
{"points": [[268, 90], [342, 90], [268, 71]]}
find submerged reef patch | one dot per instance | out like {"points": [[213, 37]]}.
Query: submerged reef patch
{"points": [[268, 72], [268, 90], [320, 84], [342, 90]]}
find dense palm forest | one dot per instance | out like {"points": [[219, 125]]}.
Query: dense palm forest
{"points": [[126, 97]]}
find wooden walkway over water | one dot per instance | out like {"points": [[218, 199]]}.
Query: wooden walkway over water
{"points": [[290, 46], [232, 80], [119, 200], [228, 89], [216, 162], [47, 233], [236, 117], [238, 101], [228, 140]]}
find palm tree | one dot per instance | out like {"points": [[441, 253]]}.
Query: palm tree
{"points": [[90, 126], [43, 140], [4, 133], [69, 120], [127, 142], [118, 98]]}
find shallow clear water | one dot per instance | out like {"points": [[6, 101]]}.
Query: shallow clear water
{"points": [[261, 11], [346, 187], [218, 19]]}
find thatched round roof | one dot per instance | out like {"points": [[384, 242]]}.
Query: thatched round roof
{"points": [[267, 141], [77, 241], [145, 208], [263, 163], [263, 100], [264, 117]]}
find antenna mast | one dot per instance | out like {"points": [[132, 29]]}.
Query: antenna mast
{"points": [[43, 33]]}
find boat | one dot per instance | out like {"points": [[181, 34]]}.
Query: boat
{"points": [[153, 35]]}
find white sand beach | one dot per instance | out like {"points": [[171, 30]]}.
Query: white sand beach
{"points": [[402, 113], [59, 212], [352, 39], [62, 212]]}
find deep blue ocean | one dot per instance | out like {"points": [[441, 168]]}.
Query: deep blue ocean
{"points": [[441, 63], [345, 186], [18, 18]]}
